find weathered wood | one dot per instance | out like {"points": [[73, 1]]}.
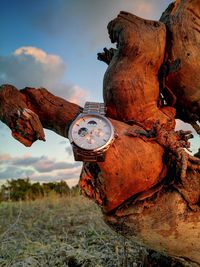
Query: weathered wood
{"points": [[131, 85], [148, 186], [182, 58], [14, 112], [132, 166], [164, 224], [49, 111]]}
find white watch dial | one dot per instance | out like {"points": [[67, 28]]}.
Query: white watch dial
{"points": [[91, 132]]}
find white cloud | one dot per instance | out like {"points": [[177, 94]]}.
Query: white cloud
{"points": [[70, 175], [48, 165], [4, 158], [33, 67], [72, 93], [146, 9], [39, 55], [69, 151], [40, 164], [38, 168], [10, 172]]}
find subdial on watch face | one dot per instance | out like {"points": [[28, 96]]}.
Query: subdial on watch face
{"points": [[83, 131], [92, 123]]}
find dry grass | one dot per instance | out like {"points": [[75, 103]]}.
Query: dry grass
{"points": [[63, 232]]}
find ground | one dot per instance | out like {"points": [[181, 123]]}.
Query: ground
{"points": [[66, 231]]}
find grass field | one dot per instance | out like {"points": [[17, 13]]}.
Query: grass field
{"points": [[64, 232]]}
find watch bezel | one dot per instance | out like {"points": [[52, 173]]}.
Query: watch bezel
{"points": [[101, 148]]}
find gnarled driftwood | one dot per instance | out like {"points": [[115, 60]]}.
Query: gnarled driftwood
{"points": [[148, 186]]}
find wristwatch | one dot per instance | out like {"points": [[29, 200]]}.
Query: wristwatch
{"points": [[91, 133]]}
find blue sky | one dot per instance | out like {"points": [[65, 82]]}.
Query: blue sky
{"points": [[54, 44]]}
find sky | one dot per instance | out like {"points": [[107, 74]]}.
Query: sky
{"points": [[53, 44]]}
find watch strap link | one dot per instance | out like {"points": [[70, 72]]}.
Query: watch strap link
{"points": [[94, 107], [79, 156]]}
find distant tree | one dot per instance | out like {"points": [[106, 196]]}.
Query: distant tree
{"points": [[4, 193], [23, 189], [48, 187], [36, 191], [19, 188], [62, 188]]}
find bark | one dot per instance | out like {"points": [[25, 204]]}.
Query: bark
{"points": [[164, 224], [132, 166], [148, 186], [131, 85], [182, 58], [28, 110]]}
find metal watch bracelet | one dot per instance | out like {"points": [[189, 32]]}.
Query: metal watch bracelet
{"points": [[91, 108], [94, 107], [88, 157]]}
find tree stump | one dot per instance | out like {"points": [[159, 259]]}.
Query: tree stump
{"points": [[148, 186]]}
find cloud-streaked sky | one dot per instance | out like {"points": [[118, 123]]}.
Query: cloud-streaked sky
{"points": [[53, 44]]}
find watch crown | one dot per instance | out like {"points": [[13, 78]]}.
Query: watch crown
{"points": [[116, 135]]}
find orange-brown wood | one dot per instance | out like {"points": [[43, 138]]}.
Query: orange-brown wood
{"points": [[131, 84], [134, 172], [148, 186], [182, 58]]}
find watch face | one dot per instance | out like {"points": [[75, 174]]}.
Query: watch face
{"points": [[91, 132]]}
